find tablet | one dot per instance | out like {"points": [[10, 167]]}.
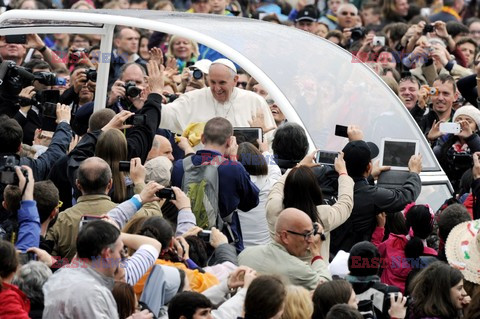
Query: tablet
{"points": [[397, 152], [248, 134]]}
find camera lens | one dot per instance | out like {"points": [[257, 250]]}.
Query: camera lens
{"points": [[197, 74]]}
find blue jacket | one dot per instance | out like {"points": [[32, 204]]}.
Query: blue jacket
{"points": [[235, 189], [28, 225], [57, 148]]}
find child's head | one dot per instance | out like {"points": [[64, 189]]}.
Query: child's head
{"points": [[12, 196]]}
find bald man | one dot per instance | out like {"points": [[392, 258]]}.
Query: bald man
{"points": [[161, 146], [294, 236], [94, 181], [221, 99]]}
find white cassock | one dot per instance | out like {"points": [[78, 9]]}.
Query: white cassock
{"points": [[201, 106]]}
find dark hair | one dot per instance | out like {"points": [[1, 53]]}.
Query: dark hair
{"points": [[290, 142], [11, 135], [396, 224], [265, 297], [129, 64], [473, 310], [186, 304], [159, 228], [37, 64], [397, 30], [125, 297], [251, 158], [8, 260], [94, 237], [94, 178], [450, 217], [302, 191], [328, 294], [217, 131], [444, 78], [46, 195], [420, 220], [455, 28], [197, 250], [12, 195], [410, 78], [431, 291], [343, 311], [359, 253], [99, 119]]}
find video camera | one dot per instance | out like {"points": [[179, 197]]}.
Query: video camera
{"points": [[8, 176]]}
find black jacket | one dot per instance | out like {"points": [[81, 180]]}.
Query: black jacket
{"points": [[369, 201]]}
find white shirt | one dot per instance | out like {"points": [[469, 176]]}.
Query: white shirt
{"points": [[201, 106]]}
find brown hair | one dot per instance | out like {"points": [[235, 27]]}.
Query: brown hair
{"points": [[12, 195], [251, 158], [217, 131], [328, 294], [125, 298], [112, 147], [8, 260], [265, 297]]}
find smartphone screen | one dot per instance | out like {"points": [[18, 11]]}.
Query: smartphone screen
{"points": [[326, 157]]}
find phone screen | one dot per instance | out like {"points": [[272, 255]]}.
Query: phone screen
{"points": [[326, 157]]}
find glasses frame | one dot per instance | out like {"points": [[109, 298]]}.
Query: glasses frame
{"points": [[305, 235]]}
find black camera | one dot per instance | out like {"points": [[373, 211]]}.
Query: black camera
{"points": [[91, 75], [165, 193], [8, 176], [357, 33], [315, 232], [197, 74], [49, 78], [124, 166], [131, 89], [428, 28], [24, 258], [171, 97]]}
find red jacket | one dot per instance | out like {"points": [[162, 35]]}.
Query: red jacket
{"points": [[13, 303]]}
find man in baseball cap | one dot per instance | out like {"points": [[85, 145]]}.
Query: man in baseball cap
{"points": [[307, 18]]}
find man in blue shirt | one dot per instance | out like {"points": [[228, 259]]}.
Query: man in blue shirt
{"points": [[233, 189]]}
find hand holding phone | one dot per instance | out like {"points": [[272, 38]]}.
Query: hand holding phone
{"points": [[166, 193]]}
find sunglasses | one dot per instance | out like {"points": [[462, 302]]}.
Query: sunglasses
{"points": [[242, 84], [348, 13]]}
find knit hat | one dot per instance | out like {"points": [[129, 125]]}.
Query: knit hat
{"points": [[159, 170], [468, 110], [229, 64], [463, 249]]}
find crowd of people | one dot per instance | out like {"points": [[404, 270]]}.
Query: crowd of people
{"points": [[155, 206]]}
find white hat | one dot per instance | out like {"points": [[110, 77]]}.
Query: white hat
{"points": [[203, 65], [469, 110], [229, 64]]}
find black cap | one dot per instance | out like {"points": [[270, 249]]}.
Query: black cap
{"points": [[361, 262], [307, 14], [357, 155]]}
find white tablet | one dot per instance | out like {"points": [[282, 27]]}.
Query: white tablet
{"points": [[397, 152]]}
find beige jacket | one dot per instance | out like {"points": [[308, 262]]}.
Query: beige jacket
{"points": [[330, 216]]}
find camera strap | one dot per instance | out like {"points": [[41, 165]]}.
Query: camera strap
{"points": [[25, 187]]}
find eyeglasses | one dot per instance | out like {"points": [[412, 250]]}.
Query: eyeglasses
{"points": [[348, 13], [475, 32], [60, 203], [305, 236], [242, 84]]}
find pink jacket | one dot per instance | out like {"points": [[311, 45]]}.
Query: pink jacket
{"points": [[395, 265]]}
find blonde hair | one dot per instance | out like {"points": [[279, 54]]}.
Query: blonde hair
{"points": [[192, 43], [298, 304]]}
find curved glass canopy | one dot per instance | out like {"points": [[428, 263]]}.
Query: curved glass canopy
{"points": [[316, 83]]}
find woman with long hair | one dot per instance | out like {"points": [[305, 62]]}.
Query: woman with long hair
{"points": [[254, 222], [112, 147], [437, 291], [265, 298], [298, 303], [332, 293], [299, 189]]}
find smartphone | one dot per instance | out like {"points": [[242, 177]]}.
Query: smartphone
{"points": [[88, 218], [137, 120], [16, 38], [49, 110], [341, 130], [326, 157], [452, 128], [205, 235], [24, 258], [124, 166], [29, 55], [378, 41], [165, 193]]}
